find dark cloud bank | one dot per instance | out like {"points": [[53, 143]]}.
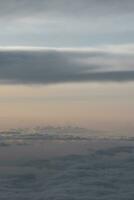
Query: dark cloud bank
{"points": [[62, 65]]}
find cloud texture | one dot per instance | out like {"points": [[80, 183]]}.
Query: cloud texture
{"points": [[47, 66], [101, 174], [66, 23]]}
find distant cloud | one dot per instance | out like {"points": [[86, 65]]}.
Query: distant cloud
{"points": [[28, 136], [47, 66]]}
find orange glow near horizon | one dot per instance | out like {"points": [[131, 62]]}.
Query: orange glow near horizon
{"points": [[88, 105]]}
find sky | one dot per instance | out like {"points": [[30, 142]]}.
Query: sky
{"points": [[67, 62], [66, 23]]}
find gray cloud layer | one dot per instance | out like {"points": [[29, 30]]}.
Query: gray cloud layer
{"points": [[104, 173], [66, 23], [63, 65], [75, 7]]}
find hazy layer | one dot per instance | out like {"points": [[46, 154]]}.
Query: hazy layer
{"points": [[97, 106]]}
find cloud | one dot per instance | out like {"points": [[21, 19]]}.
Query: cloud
{"points": [[27, 136], [75, 7], [53, 65], [66, 23], [115, 151], [49, 133], [89, 176]]}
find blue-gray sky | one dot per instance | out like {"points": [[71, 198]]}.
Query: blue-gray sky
{"points": [[66, 22], [67, 62]]}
